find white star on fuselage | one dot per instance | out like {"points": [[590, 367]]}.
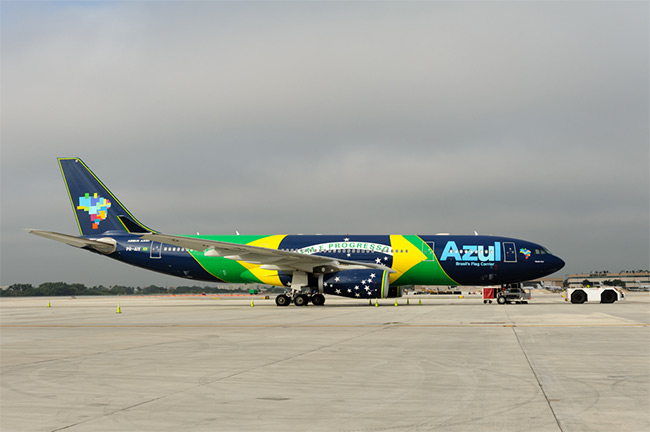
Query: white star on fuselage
{"points": [[338, 291], [378, 260], [346, 239]]}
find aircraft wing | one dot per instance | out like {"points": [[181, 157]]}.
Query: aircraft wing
{"points": [[269, 259], [103, 245]]}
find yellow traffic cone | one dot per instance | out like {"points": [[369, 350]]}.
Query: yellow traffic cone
{"points": [[395, 302], [420, 302], [376, 304], [252, 304], [48, 304], [369, 302], [407, 301], [118, 309]]}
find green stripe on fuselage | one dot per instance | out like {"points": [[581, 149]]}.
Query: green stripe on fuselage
{"points": [[428, 272], [223, 268]]}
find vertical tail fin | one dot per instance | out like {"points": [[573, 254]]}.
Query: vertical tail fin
{"points": [[95, 207]]}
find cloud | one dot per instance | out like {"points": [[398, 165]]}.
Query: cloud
{"points": [[523, 119]]}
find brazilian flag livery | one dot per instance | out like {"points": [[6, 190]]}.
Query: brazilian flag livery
{"points": [[356, 266]]}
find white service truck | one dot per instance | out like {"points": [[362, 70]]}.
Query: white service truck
{"points": [[601, 294]]}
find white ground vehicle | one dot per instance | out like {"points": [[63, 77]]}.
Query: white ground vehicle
{"points": [[597, 294]]}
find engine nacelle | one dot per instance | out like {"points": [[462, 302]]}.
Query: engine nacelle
{"points": [[355, 283]]}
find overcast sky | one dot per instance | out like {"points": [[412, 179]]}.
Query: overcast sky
{"points": [[524, 119]]}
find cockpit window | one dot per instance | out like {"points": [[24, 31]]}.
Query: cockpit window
{"points": [[541, 251]]}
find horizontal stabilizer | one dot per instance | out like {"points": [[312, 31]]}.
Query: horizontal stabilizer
{"points": [[105, 245]]}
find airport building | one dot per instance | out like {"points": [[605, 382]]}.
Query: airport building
{"points": [[557, 282], [631, 279]]}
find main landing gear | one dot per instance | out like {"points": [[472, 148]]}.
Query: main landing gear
{"points": [[300, 299]]}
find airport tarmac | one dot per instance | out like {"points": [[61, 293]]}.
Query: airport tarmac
{"points": [[218, 364]]}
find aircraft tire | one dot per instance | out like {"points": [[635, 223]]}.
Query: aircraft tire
{"points": [[282, 300], [318, 299], [501, 300], [301, 300]]}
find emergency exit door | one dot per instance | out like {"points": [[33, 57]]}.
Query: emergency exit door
{"points": [[156, 248]]}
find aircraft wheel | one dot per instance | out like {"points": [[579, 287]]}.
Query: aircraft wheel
{"points": [[501, 300], [282, 300], [301, 300], [318, 299]]}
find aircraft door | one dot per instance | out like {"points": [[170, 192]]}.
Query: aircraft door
{"points": [[156, 248], [509, 252], [427, 251]]}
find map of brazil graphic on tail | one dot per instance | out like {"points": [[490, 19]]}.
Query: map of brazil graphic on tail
{"points": [[96, 206]]}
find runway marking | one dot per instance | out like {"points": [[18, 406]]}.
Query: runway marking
{"points": [[539, 382], [298, 325]]}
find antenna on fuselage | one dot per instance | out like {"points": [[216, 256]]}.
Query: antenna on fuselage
{"points": [[475, 233]]}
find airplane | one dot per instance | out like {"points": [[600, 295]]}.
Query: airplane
{"points": [[307, 266]]}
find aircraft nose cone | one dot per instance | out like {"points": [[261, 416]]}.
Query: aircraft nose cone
{"points": [[558, 263]]}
